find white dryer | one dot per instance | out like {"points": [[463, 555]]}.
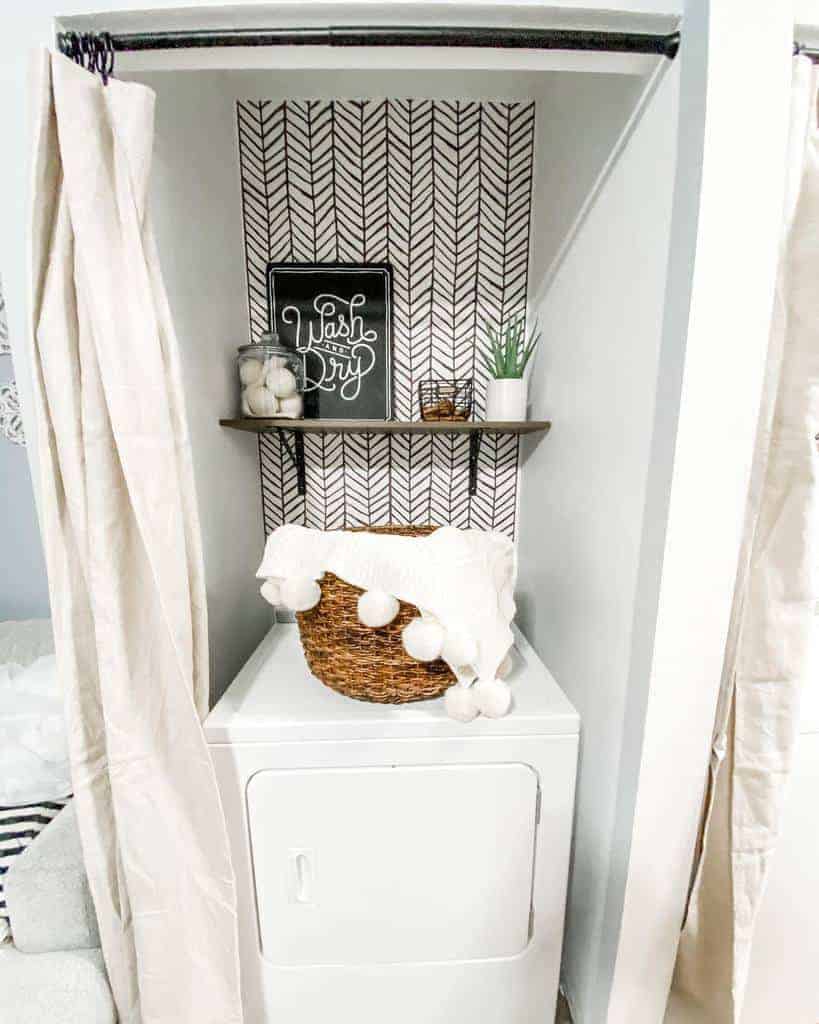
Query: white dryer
{"points": [[392, 864]]}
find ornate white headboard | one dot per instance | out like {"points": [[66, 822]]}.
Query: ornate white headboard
{"points": [[11, 421]]}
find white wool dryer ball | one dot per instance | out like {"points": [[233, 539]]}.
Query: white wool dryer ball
{"points": [[300, 594], [493, 697], [271, 592], [291, 407], [459, 648], [423, 639], [261, 401], [460, 703], [281, 381], [251, 371], [376, 608]]}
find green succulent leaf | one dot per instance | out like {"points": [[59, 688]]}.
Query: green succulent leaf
{"points": [[506, 351]]}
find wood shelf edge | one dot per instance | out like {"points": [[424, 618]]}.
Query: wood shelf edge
{"points": [[261, 425]]}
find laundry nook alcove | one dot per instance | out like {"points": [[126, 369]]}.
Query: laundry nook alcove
{"points": [[393, 863]]}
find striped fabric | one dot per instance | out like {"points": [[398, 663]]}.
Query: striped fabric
{"points": [[20, 826]]}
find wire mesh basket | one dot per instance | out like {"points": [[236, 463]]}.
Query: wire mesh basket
{"points": [[446, 399]]}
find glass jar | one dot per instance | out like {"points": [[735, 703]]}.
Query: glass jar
{"points": [[271, 379]]}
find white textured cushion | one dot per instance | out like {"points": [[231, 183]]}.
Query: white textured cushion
{"points": [[19, 827], [54, 988], [47, 895]]}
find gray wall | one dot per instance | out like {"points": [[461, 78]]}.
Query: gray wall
{"points": [[23, 587]]}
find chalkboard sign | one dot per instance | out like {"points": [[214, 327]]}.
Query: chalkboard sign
{"points": [[339, 318]]}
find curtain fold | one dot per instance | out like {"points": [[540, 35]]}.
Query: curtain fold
{"points": [[123, 550], [769, 653]]}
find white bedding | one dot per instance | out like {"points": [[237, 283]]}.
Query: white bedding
{"points": [[33, 755], [25, 641]]}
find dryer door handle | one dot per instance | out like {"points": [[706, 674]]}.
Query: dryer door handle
{"points": [[301, 876]]}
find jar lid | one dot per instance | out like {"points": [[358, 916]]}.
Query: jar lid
{"points": [[267, 339]]}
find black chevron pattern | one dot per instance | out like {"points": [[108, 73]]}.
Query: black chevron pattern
{"points": [[449, 499], [317, 456], [265, 207], [309, 174], [326, 472], [272, 473], [411, 470], [360, 138], [281, 501], [494, 507], [457, 138], [442, 191], [506, 158], [410, 192]]}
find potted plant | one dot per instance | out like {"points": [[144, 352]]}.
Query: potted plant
{"points": [[506, 354]]}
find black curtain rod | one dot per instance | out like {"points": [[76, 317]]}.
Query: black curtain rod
{"points": [[812, 52], [75, 44]]}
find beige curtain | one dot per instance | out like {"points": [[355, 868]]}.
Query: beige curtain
{"points": [[769, 651], [124, 562]]}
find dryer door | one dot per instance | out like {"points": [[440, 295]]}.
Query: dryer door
{"points": [[393, 864]]}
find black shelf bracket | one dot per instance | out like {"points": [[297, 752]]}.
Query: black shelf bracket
{"points": [[296, 453], [298, 428], [474, 452]]}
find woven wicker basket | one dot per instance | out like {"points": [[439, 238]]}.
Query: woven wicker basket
{"points": [[363, 663]]}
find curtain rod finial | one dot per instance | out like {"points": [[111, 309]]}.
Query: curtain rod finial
{"points": [[672, 45]]}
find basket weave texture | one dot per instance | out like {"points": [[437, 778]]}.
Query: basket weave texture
{"points": [[364, 663]]}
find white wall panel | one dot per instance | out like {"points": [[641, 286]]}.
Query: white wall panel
{"points": [[583, 495]]}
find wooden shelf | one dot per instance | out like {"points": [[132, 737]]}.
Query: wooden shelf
{"points": [[474, 428], [262, 425]]}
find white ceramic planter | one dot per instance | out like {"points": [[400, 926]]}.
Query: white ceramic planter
{"points": [[506, 400]]}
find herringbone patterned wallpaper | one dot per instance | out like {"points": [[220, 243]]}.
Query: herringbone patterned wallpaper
{"points": [[442, 191]]}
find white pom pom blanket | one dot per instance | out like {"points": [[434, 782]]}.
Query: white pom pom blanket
{"points": [[465, 579]]}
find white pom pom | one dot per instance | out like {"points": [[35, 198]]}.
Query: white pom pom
{"points": [[460, 703], [376, 608], [300, 594], [250, 371], [459, 648], [493, 697], [506, 666], [271, 592], [423, 640], [281, 381], [261, 401], [291, 407]]}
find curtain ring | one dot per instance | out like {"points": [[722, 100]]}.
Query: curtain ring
{"points": [[107, 55], [69, 45], [93, 52], [86, 51], [99, 55]]}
